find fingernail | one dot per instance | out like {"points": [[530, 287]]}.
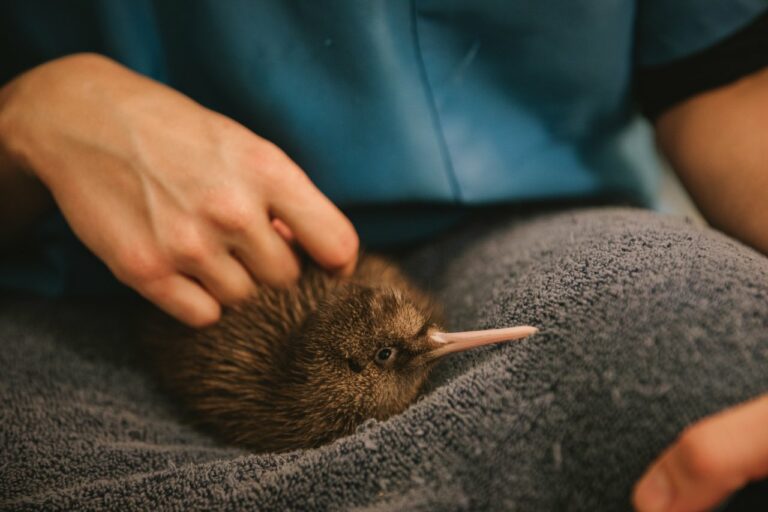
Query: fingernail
{"points": [[654, 492]]}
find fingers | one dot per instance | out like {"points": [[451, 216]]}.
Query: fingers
{"points": [[266, 254], [316, 223], [155, 277], [710, 460], [182, 298], [227, 260], [223, 276]]}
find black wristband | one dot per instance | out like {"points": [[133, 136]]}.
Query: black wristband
{"points": [[658, 88]]}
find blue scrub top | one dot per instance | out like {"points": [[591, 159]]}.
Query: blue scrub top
{"points": [[389, 103]]}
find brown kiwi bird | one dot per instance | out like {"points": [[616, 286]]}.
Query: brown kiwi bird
{"points": [[298, 367]]}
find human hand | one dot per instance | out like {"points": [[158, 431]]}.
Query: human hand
{"points": [[177, 200], [712, 459]]}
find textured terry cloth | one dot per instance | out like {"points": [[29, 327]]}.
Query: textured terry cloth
{"points": [[647, 324]]}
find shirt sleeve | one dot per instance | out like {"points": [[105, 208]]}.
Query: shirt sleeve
{"points": [[689, 46], [667, 30]]}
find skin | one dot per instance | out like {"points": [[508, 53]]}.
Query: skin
{"points": [[718, 144], [128, 162], [710, 460], [179, 201]]}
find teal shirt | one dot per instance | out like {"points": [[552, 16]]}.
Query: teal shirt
{"points": [[390, 103]]}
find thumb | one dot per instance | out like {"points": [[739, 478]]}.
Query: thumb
{"points": [[711, 459]]}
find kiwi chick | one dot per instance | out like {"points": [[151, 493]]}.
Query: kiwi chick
{"points": [[298, 367]]}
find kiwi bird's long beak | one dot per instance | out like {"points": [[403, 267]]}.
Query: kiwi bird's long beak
{"points": [[450, 342]]}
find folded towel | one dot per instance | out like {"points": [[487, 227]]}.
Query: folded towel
{"points": [[647, 324]]}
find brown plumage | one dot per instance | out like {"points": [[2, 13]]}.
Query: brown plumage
{"points": [[299, 367]]}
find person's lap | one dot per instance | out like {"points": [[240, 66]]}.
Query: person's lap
{"points": [[647, 323]]}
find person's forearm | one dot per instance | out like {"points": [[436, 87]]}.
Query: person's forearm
{"points": [[22, 197], [717, 142]]}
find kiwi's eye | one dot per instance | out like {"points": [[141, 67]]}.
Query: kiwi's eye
{"points": [[384, 355]]}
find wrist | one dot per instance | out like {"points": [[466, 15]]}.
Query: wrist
{"points": [[27, 108], [23, 197], [8, 151]]}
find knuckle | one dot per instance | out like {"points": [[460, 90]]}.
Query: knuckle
{"points": [[230, 212], [136, 265], [276, 179], [262, 151], [273, 167], [696, 455], [187, 246]]}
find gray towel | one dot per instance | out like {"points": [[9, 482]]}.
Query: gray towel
{"points": [[647, 324]]}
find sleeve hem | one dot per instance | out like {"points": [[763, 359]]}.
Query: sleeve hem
{"points": [[659, 88]]}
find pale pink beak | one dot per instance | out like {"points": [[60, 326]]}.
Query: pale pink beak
{"points": [[450, 342]]}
